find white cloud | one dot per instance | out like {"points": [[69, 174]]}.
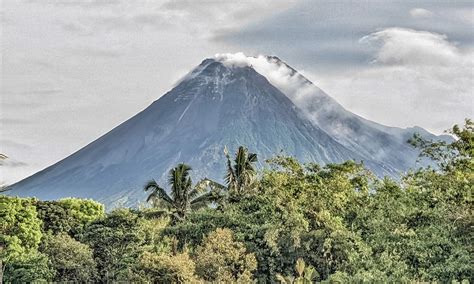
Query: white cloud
{"points": [[416, 78], [410, 47], [276, 72], [421, 13], [305, 95]]}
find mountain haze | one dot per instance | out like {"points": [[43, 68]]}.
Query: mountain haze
{"points": [[229, 100]]}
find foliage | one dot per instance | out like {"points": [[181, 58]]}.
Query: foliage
{"points": [[83, 210], [72, 260], [347, 225], [457, 154], [286, 221], [117, 241], [55, 218], [240, 179], [241, 174], [221, 259], [32, 268], [305, 274], [20, 236], [20, 231], [184, 197], [168, 268]]}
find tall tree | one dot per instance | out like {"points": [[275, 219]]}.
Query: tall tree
{"points": [[241, 174], [184, 196], [240, 178], [117, 242]]}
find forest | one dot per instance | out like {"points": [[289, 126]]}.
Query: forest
{"points": [[286, 223]]}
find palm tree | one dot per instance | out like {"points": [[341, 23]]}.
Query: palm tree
{"points": [[184, 196], [241, 175]]}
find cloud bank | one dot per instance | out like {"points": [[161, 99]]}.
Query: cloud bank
{"points": [[398, 46], [415, 77], [278, 73], [316, 105]]}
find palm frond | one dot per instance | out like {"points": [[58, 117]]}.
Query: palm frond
{"points": [[152, 196], [180, 182], [252, 158], [230, 174], [215, 186], [200, 187], [157, 192], [150, 185], [158, 214], [203, 200]]}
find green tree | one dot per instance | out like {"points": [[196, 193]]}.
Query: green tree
{"points": [[117, 241], [421, 229], [20, 236], [240, 179], [168, 268], [69, 215], [32, 268], [55, 218], [241, 174], [184, 196], [83, 210], [20, 228], [72, 260], [440, 215], [450, 156], [221, 259]]}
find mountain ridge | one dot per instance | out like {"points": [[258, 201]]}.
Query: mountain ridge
{"points": [[216, 104]]}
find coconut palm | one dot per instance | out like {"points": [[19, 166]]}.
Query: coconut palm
{"points": [[183, 197], [241, 174], [240, 177]]}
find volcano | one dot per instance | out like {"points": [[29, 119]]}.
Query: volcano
{"points": [[225, 101]]}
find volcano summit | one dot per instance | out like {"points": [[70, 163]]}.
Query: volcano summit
{"points": [[230, 100]]}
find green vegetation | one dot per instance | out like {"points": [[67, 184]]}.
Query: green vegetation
{"points": [[290, 223], [70, 259], [184, 197]]}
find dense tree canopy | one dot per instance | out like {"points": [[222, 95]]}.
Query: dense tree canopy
{"points": [[289, 223], [72, 260], [117, 241], [223, 260]]}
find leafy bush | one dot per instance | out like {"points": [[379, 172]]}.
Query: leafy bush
{"points": [[221, 259], [168, 268], [72, 260]]}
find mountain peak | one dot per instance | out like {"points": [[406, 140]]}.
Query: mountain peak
{"points": [[229, 100]]}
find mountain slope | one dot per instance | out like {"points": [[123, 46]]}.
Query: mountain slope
{"points": [[222, 102], [372, 141], [215, 105]]}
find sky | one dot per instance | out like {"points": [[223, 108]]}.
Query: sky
{"points": [[71, 70]]}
